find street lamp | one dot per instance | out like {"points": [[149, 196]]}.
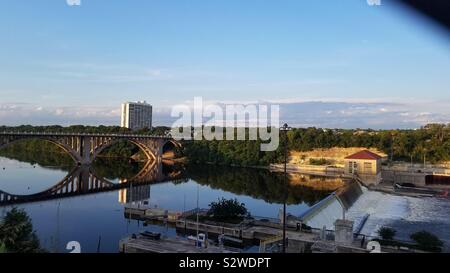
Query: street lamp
{"points": [[285, 129]]}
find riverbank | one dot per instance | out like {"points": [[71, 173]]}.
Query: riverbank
{"points": [[325, 171], [309, 169]]}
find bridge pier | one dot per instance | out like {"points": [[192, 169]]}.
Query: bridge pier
{"points": [[85, 151]]}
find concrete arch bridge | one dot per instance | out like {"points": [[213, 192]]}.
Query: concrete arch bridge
{"points": [[84, 148]]}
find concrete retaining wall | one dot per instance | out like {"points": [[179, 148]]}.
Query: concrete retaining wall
{"points": [[308, 169], [417, 179]]}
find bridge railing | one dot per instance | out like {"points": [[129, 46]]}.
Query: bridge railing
{"points": [[82, 134]]}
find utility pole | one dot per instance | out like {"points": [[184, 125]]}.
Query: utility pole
{"points": [[424, 158], [392, 147], [198, 208], [57, 227], [285, 129]]}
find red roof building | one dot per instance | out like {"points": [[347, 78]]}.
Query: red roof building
{"points": [[364, 163], [364, 155]]}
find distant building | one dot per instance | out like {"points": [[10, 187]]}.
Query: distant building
{"points": [[365, 164], [136, 115]]}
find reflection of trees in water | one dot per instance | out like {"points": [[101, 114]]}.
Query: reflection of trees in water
{"points": [[173, 169], [316, 182], [39, 152], [83, 180], [257, 183], [116, 168], [48, 155]]}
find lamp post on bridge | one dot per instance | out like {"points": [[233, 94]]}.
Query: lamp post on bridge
{"points": [[285, 129]]}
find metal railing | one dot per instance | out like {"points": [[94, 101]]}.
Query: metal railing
{"points": [[9, 133]]}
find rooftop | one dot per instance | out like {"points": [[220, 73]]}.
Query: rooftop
{"points": [[364, 155]]}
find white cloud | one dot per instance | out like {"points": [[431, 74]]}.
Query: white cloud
{"points": [[94, 72], [328, 113], [155, 73]]}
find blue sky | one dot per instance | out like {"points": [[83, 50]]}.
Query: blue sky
{"points": [[76, 64]]}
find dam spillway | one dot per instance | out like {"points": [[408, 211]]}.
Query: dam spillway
{"points": [[334, 207]]}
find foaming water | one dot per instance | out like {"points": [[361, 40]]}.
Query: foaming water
{"points": [[371, 210], [406, 215]]}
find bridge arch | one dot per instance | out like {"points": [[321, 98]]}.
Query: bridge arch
{"points": [[79, 180], [168, 149], [66, 148], [84, 148], [148, 153], [83, 180]]}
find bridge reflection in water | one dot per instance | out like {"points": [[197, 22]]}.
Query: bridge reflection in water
{"points": [[83, 180]]}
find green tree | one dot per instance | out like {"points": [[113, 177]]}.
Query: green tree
{"points": [[16, 233], [2, 248], [431, 142], [225, 210], [427, 241], [387, 233]]}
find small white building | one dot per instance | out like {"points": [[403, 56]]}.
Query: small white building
{"points": [[365, 164]]}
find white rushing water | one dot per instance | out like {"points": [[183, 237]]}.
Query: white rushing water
{"points": [[406, 215]]}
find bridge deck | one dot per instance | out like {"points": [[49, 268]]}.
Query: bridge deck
{"points": [[83, 134]]}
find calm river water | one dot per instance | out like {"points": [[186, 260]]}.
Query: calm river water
{"points": [[99, 217]]}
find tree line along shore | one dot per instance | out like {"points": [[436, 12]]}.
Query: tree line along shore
{"points": [[430, 143]]}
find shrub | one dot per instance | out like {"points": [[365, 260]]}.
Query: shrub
{"points": [[2, 248], [427, 241], [225, 210], [319, 162], [387, 233]]}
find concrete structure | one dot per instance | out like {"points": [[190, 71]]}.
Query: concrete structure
{"points": [[396, 177], [136, 115], [324, 213], [334, 207], [343, 232], [84, 148], [366, 165]]}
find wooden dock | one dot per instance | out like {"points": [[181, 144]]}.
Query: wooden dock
{"points": [[166, 245], [266, 234], [253, 230]]}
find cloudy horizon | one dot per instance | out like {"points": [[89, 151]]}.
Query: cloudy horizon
{"points": [[327, 113]]}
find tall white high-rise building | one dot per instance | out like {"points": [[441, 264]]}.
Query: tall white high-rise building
{"points": [[136, 115]]}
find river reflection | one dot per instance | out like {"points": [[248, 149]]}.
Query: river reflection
{"points": [[83, 180], [264, 185], [87, 205]]}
